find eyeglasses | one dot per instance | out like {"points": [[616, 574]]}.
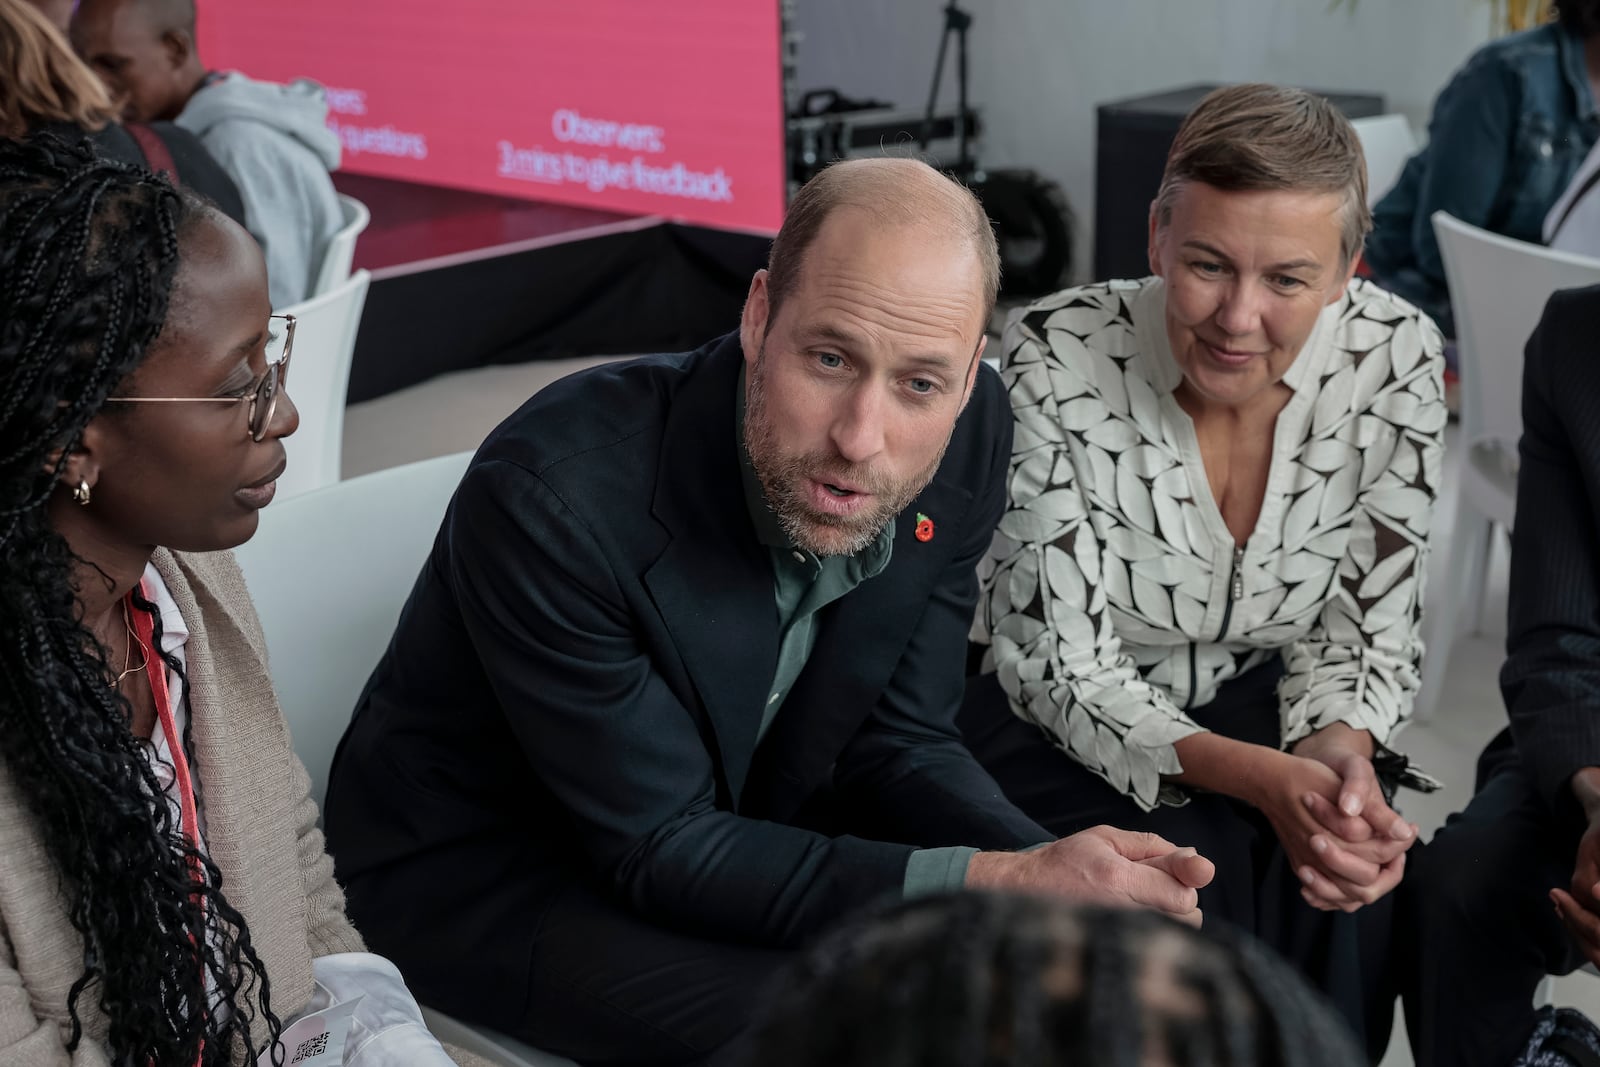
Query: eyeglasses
{"points": [[262, 393]]}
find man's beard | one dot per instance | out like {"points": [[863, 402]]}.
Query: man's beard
{"points": [[785, 479]]}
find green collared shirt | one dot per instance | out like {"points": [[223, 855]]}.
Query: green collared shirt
{"points": [[803, 584]]}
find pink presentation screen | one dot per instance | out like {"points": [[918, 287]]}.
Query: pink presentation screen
{"points": [[649, 107]]}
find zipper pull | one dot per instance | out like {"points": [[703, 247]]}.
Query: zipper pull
{"points": [[1238, 572]]}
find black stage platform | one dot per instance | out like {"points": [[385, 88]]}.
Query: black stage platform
{"points": [[464, 279]]}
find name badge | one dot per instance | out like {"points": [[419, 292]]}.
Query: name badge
{"points": [[317, 1040]]}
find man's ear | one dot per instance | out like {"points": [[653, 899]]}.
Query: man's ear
{"points": [[178, 46], [753, 321]]}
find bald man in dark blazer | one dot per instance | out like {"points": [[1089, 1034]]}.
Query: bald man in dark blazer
{"points": [[677, 687]]}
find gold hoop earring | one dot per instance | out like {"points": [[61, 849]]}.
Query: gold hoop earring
{"points": [[81, 494]]}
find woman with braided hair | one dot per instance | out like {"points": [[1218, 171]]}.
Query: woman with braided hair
{"points": [[165, 897], [1000, 980]]}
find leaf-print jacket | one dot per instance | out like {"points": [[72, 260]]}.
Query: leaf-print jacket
{"points": [[1114, 596]]}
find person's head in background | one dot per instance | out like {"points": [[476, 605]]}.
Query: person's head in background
{"points": [[115, 289], [144, 51], [43, 82], [861, 341], [1258, 226], [1580, 17], [999, 980]]}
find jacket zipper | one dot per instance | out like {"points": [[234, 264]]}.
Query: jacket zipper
{"points": [[1194, 676], [1235, 590]]}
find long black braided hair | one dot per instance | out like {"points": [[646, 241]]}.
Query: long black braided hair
{"points": [[1001, 980], [89, 250]]}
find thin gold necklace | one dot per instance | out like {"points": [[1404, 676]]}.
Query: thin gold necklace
{"points": [[133, 638]]}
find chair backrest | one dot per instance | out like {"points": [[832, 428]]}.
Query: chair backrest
{"points": [[329, 572], [1498, 290], [319, 380], [341, 252], [1387, 142]]}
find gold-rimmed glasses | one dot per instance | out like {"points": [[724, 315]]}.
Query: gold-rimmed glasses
{"points": [[262, 393]]}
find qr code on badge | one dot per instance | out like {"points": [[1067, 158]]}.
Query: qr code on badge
{"points": [[315, 1047]]}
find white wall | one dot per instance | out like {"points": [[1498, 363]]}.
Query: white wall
{"points": [[1040, 67]]}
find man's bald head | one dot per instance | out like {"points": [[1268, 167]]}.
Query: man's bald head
{"points": [[144, 51], [161, 16], [890, 192]]}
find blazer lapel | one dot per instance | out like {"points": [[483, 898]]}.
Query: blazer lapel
{"points": [[860, 642], [713, 584]]}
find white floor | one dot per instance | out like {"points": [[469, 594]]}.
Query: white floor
{"points": [[456, 411]]}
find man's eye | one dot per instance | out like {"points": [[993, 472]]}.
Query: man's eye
{"points": [[922, 385], [831, 361]]}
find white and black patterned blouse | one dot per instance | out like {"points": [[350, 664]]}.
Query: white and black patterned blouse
{"points": [[1114, 596]]}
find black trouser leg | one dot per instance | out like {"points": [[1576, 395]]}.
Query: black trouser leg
{"points": [[1476, 924], [1254, 888], [609, 988]]}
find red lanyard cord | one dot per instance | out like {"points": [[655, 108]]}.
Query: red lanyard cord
{"points": [[156, 671]]}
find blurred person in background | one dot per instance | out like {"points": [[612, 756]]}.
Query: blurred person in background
{"points": [[44, 87], [1505, 139], [272, 139]]}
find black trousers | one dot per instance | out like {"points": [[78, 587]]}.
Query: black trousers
{"points": [[1475, 930], [610, 988], [1255, 887]]}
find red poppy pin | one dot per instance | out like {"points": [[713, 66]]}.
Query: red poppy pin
{"points": [[924, 527]]}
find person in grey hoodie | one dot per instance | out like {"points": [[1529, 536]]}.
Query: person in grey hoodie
{"points": [[271, 139]]}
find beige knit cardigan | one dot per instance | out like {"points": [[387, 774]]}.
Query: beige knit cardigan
{"points": [[261, 831]]}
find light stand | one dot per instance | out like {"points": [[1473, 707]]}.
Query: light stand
{"points": [[957, 22]]}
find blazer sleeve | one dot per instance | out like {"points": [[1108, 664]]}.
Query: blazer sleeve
{"points": [[1359, 662], [1551, 677], [604, 733], [25, 1039], [1058, 657], [908, 773]]}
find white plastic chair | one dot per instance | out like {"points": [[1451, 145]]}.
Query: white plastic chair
{"points": [[341, 251], [319, 381], [329, 572], [1387, 141], [1498, 289]]}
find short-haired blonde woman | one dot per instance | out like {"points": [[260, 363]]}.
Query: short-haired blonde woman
{"points": [[1203, 600]]}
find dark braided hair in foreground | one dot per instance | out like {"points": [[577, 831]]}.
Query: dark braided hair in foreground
{"points": [[1001, 980], [88, 253]]}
